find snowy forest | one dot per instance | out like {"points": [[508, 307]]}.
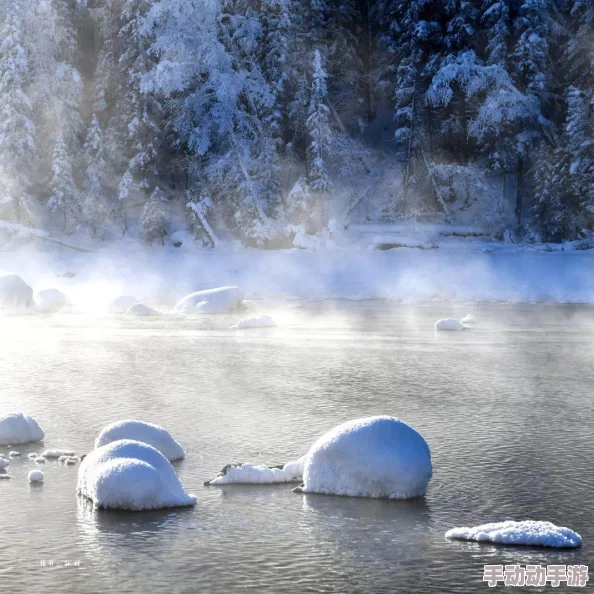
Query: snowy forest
{"points": [[254, 119]]}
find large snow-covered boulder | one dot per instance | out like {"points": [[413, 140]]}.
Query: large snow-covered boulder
{"points": [[51, 300], [17, 428], [140, 310], [120, 305], [15, 293], [211, 301], [263, 321], [372, 457], [130, 475], [527, 532], [148, 433], [449, 325], [259, 473]]}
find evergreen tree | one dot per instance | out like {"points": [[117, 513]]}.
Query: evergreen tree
{"points": [[64, 196], [153, 220]]}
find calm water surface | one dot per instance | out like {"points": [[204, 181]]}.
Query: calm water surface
{"points": [[506, 409]]}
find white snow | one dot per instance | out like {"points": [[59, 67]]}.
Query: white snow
{"points": [[70, 461], [469, 319], [40, 460], [263, 321], [14, 454], [120, 305], [36, 476], [449, 324], [57, 453], [249, 304], [306, 242], [32, 456], [260, 474], [154, 435], [130, 475], [3, 463], [15, 293], [371, 457], [526, 532], [51, 300], [211, 301], [17, 428], [141, 310]]}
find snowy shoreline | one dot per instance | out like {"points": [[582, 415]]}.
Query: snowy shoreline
{"points": [[166, 274]]}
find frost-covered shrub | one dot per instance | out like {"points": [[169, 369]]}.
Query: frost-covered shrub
{"points": [[153, 220]]}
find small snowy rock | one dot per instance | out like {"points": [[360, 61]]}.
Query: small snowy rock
{"points": [[248, 304], [259, 474], [17, 428], [469, 319], [70, 461], [15, 293], [380, 457], [263, 321], [211, 301], [149, 433], [32, 456], [57, 453], [36, 476], [51, 300], [130, 475], [14, 454], [40, 460], [3, 463], [140, 310], [449, 324], [120, 305], [527, 532]]}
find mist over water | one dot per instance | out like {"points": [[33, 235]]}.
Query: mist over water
{"points": [[503, 408]]}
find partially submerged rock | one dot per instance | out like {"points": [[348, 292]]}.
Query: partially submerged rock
{"points": [[15, 293], [259, 473], [141, 310], [17, 428], [130, 475], [380, 457], [527, 532], [449, 325], [36, 476], [148, 433], [211, 301], [263, 321], [120, 305]]}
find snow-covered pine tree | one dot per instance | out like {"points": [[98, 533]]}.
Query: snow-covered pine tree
{"points": [[153, 220], [64, 197], [318, 131], [18, 151]]}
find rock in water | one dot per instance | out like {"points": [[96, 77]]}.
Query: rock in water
{"points": [[17, 428], [449, 324], [372, 457], [120, 305], [149, 433], [36, 476], [527, 532], [130, 475], [140, 310], [211, 301], [15, 293], [263, 321]]}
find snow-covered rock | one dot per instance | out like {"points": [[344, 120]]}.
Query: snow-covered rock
{"points": [[263, 321], [40, 460], [3, 463], [51, 300], [120, 305], [130, 475], [248, 304], [36, 476], [148, 433], [306, 242], [449, 324], [260, 474], [70, 310], [141, 310], [17, 428], [56, 453], [14, 454], [372, 457], [469, 319], [211, 301], [527, 532], [15, 293]]}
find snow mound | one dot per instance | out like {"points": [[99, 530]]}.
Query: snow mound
{"points": [[306, 242], [17, 428], [249, 304], [527, 532], [14, 454], [469, 319], [211, 301], [51, 300], [449, 324], [153, 435], [3, 463], [56, 453], [40, 460], [141, 310], [259, 474], [15, 293], [263, 321], [70, 461], [372, 457], [120, 305], [36, 476], [130, 475]]}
